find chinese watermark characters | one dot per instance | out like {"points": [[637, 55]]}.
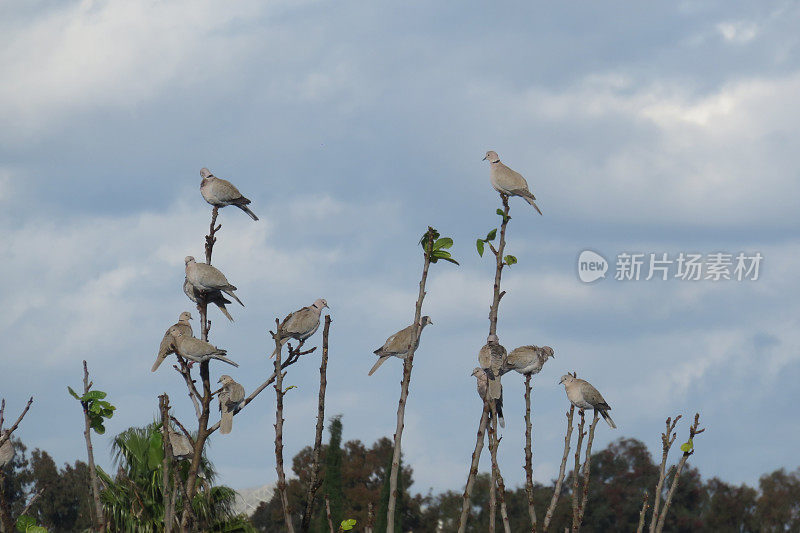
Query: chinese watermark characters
{"points": [[685, 266]]}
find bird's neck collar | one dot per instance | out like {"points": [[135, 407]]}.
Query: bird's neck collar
{"points": [[494, 162]]}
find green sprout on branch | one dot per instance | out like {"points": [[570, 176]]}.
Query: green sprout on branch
{"points": [[95, 407]]}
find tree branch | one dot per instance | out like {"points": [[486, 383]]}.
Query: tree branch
{"points": [[169, 510], [499, 267], [100, 522], [587, 466], [473, 470], [279, 392], [404, 386], [529, 454], [643, 513], [315, 482], [667, 439], [498, 477], [557, 490], [6, 435]]}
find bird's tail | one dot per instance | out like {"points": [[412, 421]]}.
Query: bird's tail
{"points": [[221, 358], [378, 363], [247, 210], [607, 418], [160, 359], [224, 311], [163, 352], [229, 291], [226, 422], [498, 405], [282, 341], [495, 388], [530, 199]]}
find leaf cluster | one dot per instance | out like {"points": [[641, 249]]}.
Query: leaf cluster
{"points": [[26, 524], [95, 407], [439, 248]]}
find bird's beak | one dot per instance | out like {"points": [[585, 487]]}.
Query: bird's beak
{"points": [[484, 159]]}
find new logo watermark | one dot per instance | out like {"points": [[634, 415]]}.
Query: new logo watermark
{"points": [[685, 266], [591, 266]]}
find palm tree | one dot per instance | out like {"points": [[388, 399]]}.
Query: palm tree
{"points": [[132, 500]]}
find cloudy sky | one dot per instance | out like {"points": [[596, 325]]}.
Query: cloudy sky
{"points": [[660, 128]]}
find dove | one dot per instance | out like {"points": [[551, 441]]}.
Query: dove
{"points": [[6, 451], [492, 358], [206, 278], [219, 193], [168, 342], [483, 385], [212, 297], [399, 344], [527, 359], [230, 398], [508, 182], [181, 446], [197, 350], [300, 324], [583, 396]]}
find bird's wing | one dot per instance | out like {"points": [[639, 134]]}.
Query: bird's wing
{"points": [[296, 323], [510, 179], [236, 393], [592, 395], [225, 191], [210, 277]]}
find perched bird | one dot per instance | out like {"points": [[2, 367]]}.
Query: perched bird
{"points": [[527, 359], [230, 398], [492, 358], [219, 193], [508, 182], [6, 451], [197, 350], [181, 446], [300, 324], [583, 396], [212, 297], [168, 342], [400, 343], [206, 278], [483, 385]]}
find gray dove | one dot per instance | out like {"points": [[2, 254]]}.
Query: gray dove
{"points": [[212, 297], [492, 358], [219, 193], [527, 359], [198, 350], [181, 446], [207, 278], [483, 385], [400, 343], [583, 396], [6, 451], [300, 324], [508, 182], [168, 342], [230, 398]]}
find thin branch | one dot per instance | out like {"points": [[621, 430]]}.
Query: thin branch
{"points": [[473, 470], [576, 473], [279, 392], [370, 525], [693, 431], [499, 267], [404, 386], [529, 454], [667, 439], [186, 372], [328, 513], [498, 477], [643, 513], [32, 501], [163, 404], [315, 482], [587, 469], [557, 490], [6, 435], [183, 429], [100, 522]]}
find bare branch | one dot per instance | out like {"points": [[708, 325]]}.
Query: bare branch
{"points": [[287, 514], [6, 435], [169, 510], [576, 472], [498, 267], [587, 466], [557, 490], [473, 470], [643, 513], [667, 438], [529, 453], [315, 482], [407, 366], [183, 429], [498, 477]]}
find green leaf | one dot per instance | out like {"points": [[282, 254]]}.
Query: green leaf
{"points": [[36, 529], [94, 395], [155, 451], [500, 212], [479, 245], [491, 235], [73, 393], [443, 243], [687, 447], [348, 524], [510, 260], [24, 522], [95, 408], [451, 260], [290, 387], [441, 254]]}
